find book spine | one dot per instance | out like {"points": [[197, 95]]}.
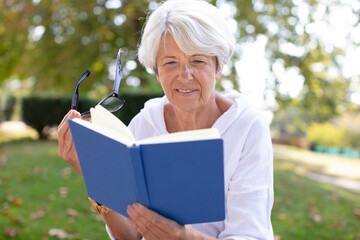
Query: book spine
{"points": [[140, 179]]}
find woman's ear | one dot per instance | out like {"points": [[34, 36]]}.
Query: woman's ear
{"points": [[218, 74], [156, 72]]}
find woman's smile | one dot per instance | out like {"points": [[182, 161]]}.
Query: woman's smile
{"points": [[187, 91]]}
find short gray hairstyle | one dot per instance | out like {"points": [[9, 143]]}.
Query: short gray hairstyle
{"points": [[196, 26]]}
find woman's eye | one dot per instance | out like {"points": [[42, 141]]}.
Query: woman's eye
{"points": [[198, 62], [170, 63]]}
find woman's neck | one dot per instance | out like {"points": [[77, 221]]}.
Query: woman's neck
{"points": [[205, 117]]}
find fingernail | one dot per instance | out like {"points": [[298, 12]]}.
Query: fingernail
{"points": [[130, 208], [136, 205]]}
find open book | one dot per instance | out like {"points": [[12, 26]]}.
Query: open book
{"points": [[178, 175]]}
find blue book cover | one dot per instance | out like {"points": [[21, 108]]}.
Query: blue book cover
{"points": [[183, 181]]}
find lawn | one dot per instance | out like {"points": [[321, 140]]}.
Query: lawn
{"points": [[41, 197]]}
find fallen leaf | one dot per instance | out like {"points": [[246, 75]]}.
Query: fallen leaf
{"points": [[58, 233], [66, 172], [71, 213], [17, 219], [316, 218], [314, 210], [11, 232], [10, 197], [18, 201], [36, 170], [5, 205], [37, 214], [357, 213], [282, 216], [64, 192]]}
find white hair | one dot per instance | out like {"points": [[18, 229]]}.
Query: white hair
{"points": [[196, 26]]}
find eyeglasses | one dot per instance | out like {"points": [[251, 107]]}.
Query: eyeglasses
{"points": [[112, 102]]}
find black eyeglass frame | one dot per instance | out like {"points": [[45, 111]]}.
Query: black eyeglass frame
{"points": [[112, 95]]}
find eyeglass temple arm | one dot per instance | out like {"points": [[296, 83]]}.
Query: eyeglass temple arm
{"points": [[75, 98], [118, 73]]}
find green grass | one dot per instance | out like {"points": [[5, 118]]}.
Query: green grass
{"points": [[307, 209], [38, 190]]}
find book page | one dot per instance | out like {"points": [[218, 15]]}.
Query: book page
{"points": [[193, 135], [104, 131], [102, 117]]}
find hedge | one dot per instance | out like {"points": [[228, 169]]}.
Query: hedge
{"points": [[7, 105], [39, 112]]}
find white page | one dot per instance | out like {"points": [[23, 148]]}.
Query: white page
{"points": [[102, 117]]}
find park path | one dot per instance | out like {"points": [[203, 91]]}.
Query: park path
{"points": [[340, 171], [352, 185]]}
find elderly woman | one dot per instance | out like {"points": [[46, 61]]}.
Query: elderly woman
{"points": [[186, 44]]}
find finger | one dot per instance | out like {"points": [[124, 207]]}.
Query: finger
{"points": [[144, 227], [71, 114], [156, 223], [64, 119], [63, 132], [68, 142], [164, 223]]}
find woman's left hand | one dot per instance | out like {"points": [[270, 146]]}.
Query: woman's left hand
{"points": [[154, 226]]}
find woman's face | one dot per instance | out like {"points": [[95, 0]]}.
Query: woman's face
{"points": [[188, 81]]}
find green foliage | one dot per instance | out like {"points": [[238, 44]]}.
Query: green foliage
{"points": [[7, 104], [64, 38], [351, 122], [290, 121], [351, 139], [342, 132], [39, 112], [326, 134]]}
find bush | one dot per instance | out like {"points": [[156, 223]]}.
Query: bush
{"points": [[329, 135], [326, 134], [7, 105], [40, 112]]}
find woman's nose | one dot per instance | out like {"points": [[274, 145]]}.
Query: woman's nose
{"points": [[186, 72]]}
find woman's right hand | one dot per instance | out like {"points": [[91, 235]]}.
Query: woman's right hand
{"points": [[66, 148]]}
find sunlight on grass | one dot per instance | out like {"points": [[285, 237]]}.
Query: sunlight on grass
{"points": [[14, 130]]}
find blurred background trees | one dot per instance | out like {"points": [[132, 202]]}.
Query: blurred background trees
{"points": [[45, 46]]}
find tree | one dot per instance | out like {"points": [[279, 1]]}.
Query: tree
{"points": [[54, 42], [293, 43]]}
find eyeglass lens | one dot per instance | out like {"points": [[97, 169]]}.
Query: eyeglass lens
{"points": [[112, 103]]}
